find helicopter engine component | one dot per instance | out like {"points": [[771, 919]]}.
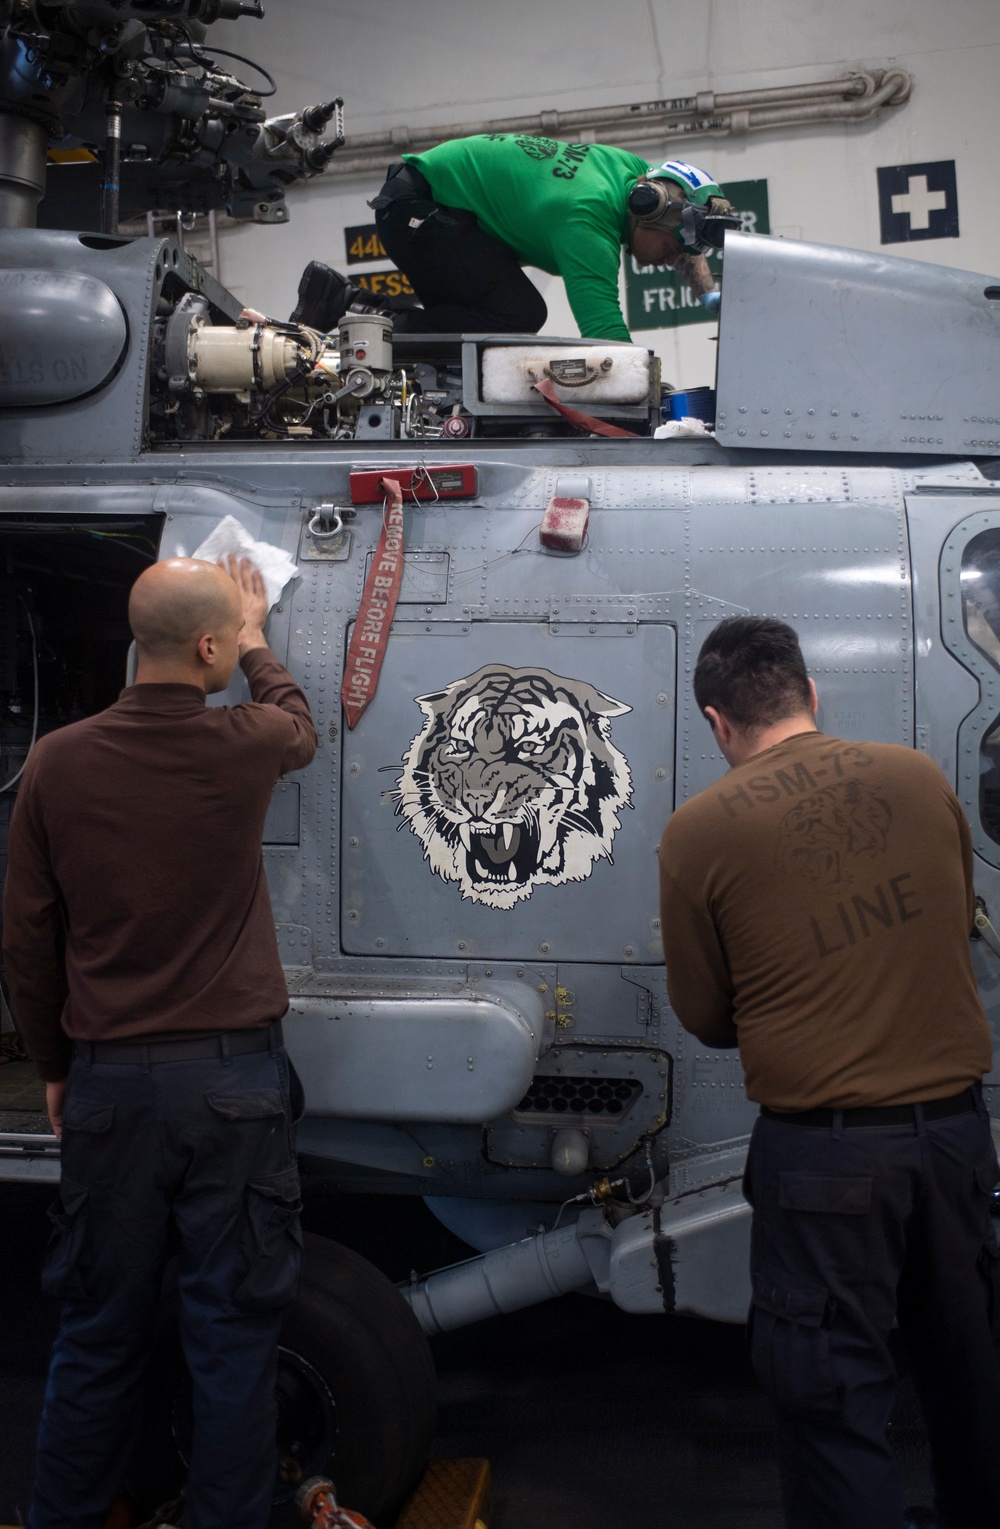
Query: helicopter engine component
{"points": [[295, 381], [238, 360], [366, 338]]}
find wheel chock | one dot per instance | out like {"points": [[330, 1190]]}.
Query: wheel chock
{"points": [[453, 1494]]}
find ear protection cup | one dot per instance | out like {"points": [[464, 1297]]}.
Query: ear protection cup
{"points": [[649, 200], [699, 228]]}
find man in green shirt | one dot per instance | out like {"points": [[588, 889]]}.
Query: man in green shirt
{"points": [[462, 219]]}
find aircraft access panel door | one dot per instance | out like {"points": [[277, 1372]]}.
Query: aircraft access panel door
{"points": [[505, 791], [970, 624]]}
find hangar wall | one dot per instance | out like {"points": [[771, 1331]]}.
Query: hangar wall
{"points": [[434, 62]]}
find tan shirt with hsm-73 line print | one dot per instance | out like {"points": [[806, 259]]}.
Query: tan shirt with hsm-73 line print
{"points": [[816, 906]]}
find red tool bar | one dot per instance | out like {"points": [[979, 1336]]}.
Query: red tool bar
{"points": [[450, 482]]}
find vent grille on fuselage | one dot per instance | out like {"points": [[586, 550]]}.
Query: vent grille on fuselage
{"points": [[579, 1097]]}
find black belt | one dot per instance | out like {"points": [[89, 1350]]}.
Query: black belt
{"points": [[198, 1048], [879, 1114]]}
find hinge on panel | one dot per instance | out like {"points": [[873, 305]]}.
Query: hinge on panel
{"points": [[984, 928]]}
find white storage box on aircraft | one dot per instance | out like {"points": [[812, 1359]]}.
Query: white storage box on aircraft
{"points": [[608, 373]]}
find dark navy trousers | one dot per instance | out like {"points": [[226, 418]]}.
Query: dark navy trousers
{"points": [[854, 1231], [468, 281], [199, 1154]]}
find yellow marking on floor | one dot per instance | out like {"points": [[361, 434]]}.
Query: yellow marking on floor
{"points": [[454, 1494]]}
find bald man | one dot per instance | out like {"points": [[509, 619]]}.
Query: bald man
{"points": [[144, 975]]}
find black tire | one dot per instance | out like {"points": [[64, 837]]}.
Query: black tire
{"points": [[356, 1389], [353, 1326]]}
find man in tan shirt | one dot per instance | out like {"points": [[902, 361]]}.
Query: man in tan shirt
{"points": [[816, 908]]}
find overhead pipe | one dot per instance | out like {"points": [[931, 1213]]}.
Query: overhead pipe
{"points": [[744, 121], [859, 83], [849, 99], [893, 91]]}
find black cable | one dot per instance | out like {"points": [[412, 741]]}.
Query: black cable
{"points": [[300, 373], [225, 53], [200, 53]]}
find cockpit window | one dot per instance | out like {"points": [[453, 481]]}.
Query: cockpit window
{"points": [[981, 614]]}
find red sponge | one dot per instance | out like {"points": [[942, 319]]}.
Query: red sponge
{"points": [[564, 524]]}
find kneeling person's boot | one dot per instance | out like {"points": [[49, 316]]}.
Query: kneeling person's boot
{"points": [[324, 296]]}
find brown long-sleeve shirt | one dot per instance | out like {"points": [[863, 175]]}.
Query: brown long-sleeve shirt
{"points": [[816, 906], [135, 903]]}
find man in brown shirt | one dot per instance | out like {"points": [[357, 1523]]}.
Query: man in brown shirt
{"points": [[816, 909], [145, 979]]}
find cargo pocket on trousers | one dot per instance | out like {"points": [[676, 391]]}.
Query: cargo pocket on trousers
{"points": [[296, 1094], [61, 1272], [251, 1104], [790, 1344], [989, 1271], [272, 1242], [94, 1119]]}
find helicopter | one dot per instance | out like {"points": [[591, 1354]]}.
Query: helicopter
{"points": [[464, 882]]}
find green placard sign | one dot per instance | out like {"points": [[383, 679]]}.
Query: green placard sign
{"points": [[657, 299]]}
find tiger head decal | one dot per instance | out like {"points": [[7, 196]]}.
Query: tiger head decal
{"points": [[826, 834], [513, 782]]}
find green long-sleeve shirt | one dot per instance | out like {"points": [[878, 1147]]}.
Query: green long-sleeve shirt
{"points": [[559, 206]]}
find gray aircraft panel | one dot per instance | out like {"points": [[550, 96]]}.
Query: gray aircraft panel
{"points": [[407, 889], [842, 581], [711, 1104], [970, 622], [822, 348], [946, 689]]}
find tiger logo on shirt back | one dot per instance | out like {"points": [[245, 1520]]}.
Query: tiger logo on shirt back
{"points": [[825, 834]]}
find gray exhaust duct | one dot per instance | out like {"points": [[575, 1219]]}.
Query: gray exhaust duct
{"points": [[689, 1255], [519, 1274]]}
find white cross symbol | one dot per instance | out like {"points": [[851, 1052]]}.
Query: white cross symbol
{"points": [[919, 202]]}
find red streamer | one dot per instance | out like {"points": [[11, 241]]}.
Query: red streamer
{"points": [[378, 605]]}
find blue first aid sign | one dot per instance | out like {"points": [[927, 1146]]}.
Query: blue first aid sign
{"points": [[918, 202]]}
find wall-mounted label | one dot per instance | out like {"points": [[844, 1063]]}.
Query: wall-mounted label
{"points": [[361, 242], [384, 283], [918, 202], [657, 299]]}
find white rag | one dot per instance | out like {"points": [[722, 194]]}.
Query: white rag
{"points": [[677, 427], [274, 566]]}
